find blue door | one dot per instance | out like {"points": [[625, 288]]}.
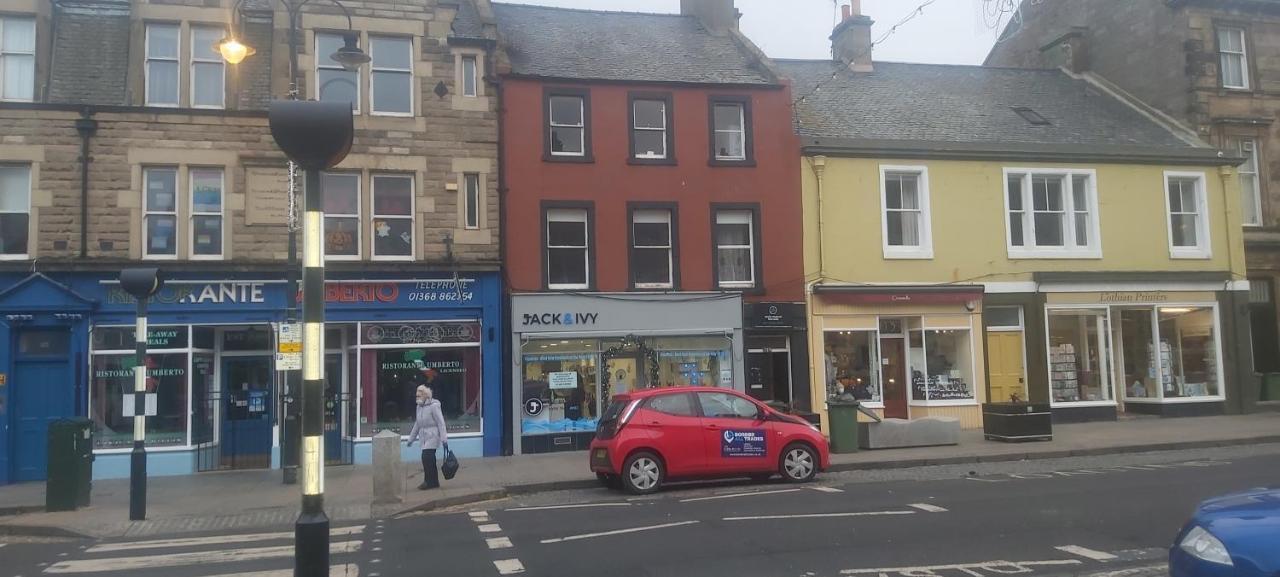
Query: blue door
{"points": [[42, 392], [247, 416]]}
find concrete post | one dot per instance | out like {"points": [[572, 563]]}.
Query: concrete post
{"points": [[388, 478]]}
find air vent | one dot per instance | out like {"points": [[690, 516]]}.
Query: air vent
{"points": [[1031, 116]]}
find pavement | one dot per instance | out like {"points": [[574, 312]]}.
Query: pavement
{"points": [[245, 500], [1102, 516]]}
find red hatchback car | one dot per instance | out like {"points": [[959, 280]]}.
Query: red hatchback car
{"points": [[647, 437]]}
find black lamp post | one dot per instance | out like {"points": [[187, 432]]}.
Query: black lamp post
{"points": [[142, 283], [234, 51], [316, 136]]}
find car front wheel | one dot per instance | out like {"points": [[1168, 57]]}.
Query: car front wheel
{"points": [[642, 473], [799, 464]]}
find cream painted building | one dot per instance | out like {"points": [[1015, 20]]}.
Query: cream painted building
{"points": [[977, 235]]}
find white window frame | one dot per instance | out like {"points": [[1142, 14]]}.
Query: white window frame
{"points": [[30, 221], [1248, 147], [924, 250], [471, 200], [357, 216], [191, 72], [655, 216], [742, 134], [733, 216], [663, 130], [1224, 54], [5, 55], [192, 214], [148, 59], [1154, 318], [323, 62], [470, 64], [146, 211], [412, 217], [1203, 248], [374, 69], [1069, 250], [1104, 336], [581, 126], [569, 215]]}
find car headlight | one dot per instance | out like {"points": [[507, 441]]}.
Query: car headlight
{"points": [[1204, 546]]}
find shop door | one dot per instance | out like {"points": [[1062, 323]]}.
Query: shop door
{"points": [[40, 386], [893, 369], [337, 444], [1008, 373], [760, 375], [246, 424]]}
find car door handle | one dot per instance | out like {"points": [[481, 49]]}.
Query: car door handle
{"points": [[713, 427]]}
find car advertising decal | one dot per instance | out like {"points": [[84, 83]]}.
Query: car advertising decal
{"points": [[742, 443]]}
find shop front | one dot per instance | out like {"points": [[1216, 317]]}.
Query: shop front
{"points": [[777, 353], [1154, 351], [903, 351], [572, 353], [216, 363]]}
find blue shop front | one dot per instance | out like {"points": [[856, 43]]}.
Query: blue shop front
{"points": [[215, 364]]}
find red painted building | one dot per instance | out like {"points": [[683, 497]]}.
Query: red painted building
{"points": [[650, 175]]}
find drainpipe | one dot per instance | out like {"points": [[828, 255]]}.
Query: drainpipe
{"points": [[511, 442], [819, 165], [1226, 173], [86, 126]]}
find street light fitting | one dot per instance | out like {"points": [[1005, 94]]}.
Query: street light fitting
{"points": [[141, 283], [233, 50], [350, 56]]}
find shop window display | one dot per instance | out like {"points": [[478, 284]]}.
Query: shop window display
{"points": [[1188, 340], [1078, 354], [560, 392], [112, 377], [850, 364], [941, 364], [693, 361], [395, 358]]}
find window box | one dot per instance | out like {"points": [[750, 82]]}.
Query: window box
{"points": [[1017, 422]]}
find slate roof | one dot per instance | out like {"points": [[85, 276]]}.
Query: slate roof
{"points": [[467, 23], [628, 46], [971, 105]]}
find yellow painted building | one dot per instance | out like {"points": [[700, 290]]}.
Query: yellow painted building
{"points": [[977, 235]]}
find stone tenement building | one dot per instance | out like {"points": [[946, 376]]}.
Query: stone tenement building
{"points": [[127, 139], [1212, 64]]}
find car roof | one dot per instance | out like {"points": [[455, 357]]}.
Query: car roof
{"points": [[646, 393]]}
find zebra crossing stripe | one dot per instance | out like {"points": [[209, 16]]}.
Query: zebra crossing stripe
{"points": [[184, 559], [211, 540]]}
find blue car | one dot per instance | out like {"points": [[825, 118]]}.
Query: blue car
{"points": [[1236, 534]]}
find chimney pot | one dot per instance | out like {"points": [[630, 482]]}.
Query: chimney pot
{"points": [[845, 12], [855, 7]]}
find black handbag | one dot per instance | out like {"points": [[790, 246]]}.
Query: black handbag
{"points": [[450, 466]]}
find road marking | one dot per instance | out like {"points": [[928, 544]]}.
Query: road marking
{"points": [[1002, 567], [347, 570], [477, 514], [987, 480], [212, 540], [826, 489], [733, 495], [509, 566], [490, 528], [499, 543], [123, 564], [1087, 553], [927, 508], [1132, 571], [617, 532], [819, 515], [577, 506]]}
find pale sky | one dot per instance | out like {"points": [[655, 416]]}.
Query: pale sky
{"points": [[947, 31]]}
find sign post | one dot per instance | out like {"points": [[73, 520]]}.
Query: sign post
{"points": [[142, 283]]}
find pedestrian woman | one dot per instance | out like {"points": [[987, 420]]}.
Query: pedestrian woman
{"points": [[428, 426]]}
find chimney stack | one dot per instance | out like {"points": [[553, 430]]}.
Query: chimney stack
{"points": [[717, 16], [851, 40]]}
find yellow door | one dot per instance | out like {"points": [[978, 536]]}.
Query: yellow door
{"points": [[1004, 351]]}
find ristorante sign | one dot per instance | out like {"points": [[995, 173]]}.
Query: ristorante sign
{"points": [[362, 294]]}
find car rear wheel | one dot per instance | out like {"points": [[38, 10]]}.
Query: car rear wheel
{"points": [[642, 473], [799, 464]]}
